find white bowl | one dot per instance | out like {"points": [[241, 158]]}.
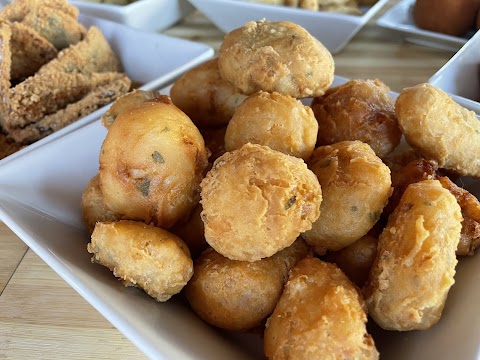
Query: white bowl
{"points": [[332, 29], [143, 58], [150, 15], [43, 209], [460, 75], [399, 18]]}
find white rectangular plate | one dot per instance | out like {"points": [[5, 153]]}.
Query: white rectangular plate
{"points": [[399, 18], [150, 59], [332, 29], [460, 75], [149, 15], [40, 201]]}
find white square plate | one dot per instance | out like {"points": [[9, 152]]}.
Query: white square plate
{"points": [[150, 15], [43, 209], [460, 75], [150, 59], [332, 29], [399, 18]]}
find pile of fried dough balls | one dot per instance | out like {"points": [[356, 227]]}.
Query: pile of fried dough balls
{"points": [[288, 210]]}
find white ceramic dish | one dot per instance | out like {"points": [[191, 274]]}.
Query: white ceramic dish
{"points": [[399, 18], [332, 29], [460, 75], [150, 15], [43, 210], [149, 65]]}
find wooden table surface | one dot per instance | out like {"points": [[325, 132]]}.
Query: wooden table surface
{"points": [[41, 317]]}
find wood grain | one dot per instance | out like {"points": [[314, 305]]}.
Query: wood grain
{"points": [[12, 250]]}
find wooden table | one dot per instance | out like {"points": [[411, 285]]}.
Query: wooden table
{"points": [[41, 317]]}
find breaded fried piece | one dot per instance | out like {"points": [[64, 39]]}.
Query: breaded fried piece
{"points": [[18, 9], [30, 51], [105, 88], [8, 146], [123, 102], [92, 54], [5, 66]]}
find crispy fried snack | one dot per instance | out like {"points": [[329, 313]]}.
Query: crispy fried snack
{"points": [[8, 146], [93, 208], [432, 124], [151, 163], [358, 110], [214, 141], [205, 97], [278, 121], [142, 255], [256, 201], [320, 315], [239, 295], [415, 263], [275, 56], [356, 185], [192, 232]]}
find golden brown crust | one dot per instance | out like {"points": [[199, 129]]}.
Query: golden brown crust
{"points": [[256, 201], [356, 185], [192, 232], [275, 56], [214, 141], [358, 110], [415, 263], [432, 124], [239, 295], [142, 255], [271, 119], [320, 315]]}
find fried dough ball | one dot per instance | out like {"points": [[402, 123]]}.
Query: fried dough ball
{"points": [[357, 259], [256, 201], [93, 208], [192, 232], [356, 185], [239, 295], [205, 96], [415, 263], [320, 315], [433, 124], [358, 110], [151, 163], [275, 56], [278, 121], [215, 141], [143, 255]]}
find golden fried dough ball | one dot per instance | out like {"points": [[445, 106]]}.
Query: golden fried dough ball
{"points": [[356, 185], [143, 255], [357, 259], [192, 232], [275, 56], [278, 121], [205, 96], [256, 201], [93, 208], [134, 97], [415, 263], [433, 124], [320, 315], [215, 141], [239, 295], [151, 163], [358, 110]]}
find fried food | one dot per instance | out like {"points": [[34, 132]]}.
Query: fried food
{"points": [[357, 259], [192, 232], [275, 56], [415, 263], [257, 201], [93, 208], [356, 185], [239, 295], [320, 315], [214, 141], [205, 96], [278, 121], [151, 163], [358, 110], [433, 123], [142, 255], [8, 146]]}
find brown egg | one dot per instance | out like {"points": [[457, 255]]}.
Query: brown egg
{"points": [[446, 16]]}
